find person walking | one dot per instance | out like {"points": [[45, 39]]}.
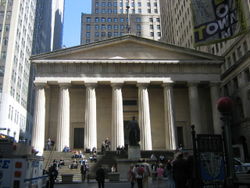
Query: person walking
{"points": [[52, 175], [139, 176], [180, 172], [160, 172], [131, 176], [83, 171], [100, 177]]}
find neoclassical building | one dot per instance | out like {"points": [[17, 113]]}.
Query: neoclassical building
{"points": [[87, 93]]}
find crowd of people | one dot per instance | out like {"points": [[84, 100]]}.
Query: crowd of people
{"points": [[175, 173]]}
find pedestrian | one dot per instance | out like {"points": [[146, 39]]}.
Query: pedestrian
{"points": [[83, 171], [146, 175], [100, 177], [180, 171], [52, 175], [131, 176], [159, 172], [169, 175], [139, 176], [49, 143]]}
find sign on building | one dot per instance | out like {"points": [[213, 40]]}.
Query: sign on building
{"points": [[217, 20]]}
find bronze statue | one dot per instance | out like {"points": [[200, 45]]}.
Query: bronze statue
{"points": [[134, 133]]}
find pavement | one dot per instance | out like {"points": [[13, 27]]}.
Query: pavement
{"points": [[124, 184]]}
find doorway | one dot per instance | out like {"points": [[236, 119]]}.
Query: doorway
{"points": [[78, 137]]}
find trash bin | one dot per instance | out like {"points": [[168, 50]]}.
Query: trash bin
{"points": [[67, 178]]}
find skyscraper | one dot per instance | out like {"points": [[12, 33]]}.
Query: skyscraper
{"points": [[112, 18], [17, 21]]}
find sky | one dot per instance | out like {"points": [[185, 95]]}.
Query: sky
{"points": [[72, 20]]}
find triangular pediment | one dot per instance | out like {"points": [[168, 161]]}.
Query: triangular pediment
{"points": [[127, 47]]}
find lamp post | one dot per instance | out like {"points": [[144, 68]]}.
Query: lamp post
{"points": [[225, 106]]}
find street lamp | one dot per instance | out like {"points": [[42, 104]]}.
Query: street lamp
{"points": [[225, 107]]}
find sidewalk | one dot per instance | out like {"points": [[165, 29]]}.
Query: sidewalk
{"points": [[110, 185]]}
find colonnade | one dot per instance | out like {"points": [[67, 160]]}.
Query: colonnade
{"points": [[117, 128]]}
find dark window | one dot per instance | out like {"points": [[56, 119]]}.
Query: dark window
{"points": [[130, 102]]}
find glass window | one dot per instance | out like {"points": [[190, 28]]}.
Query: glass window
{"points": [[121, 19], [115, 34], [158, 27], [103, 11], [88, 27], [139, 4], [97, 27], [109, 27], [103, 19], [138, 19], [97, 4], [103, 27], [115, 4], [115, 11], [156, 11], [158, 19], [122, 27], [109, 4], [138, 27], [149, 10], [103, 34], [103, 4], [96, 19], [97, 11], [151, 34], [97, 34], [115, 19], [109, 34], [88, 35], [139, 10], [151, 19], [151, 26], [109, 19], [159, 34], [88, 19], [115, 27], [109, 11]]}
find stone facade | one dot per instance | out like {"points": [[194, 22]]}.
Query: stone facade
{"points": [[99, 87]]}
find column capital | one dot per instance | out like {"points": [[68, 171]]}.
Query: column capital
{"points": [[142, 84], [214, 84], [116, 84], [90, 84], [193, 83], [168, 84], [40, 85], [64, 84]]}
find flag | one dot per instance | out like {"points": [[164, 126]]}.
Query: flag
{"points": [[217, 20]]}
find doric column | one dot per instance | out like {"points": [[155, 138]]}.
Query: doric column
{"points": [[215, 94], [144, 117], [38, 132], [117, 117], [194, 106], [169, 112], [63, 126], [90, 132]]}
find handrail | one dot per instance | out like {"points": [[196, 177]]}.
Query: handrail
{"points": [[36, 178], [50, 157]]}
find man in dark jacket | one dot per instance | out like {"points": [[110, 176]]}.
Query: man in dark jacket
{"points": [[100, 177], [180, 171]]}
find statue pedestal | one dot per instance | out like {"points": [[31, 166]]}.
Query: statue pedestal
{"points": [[134, 152]]}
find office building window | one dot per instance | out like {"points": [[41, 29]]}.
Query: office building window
{"points": [[103, 19], [138, 19], [121, 19], [103, 34], [96, 19], [115, 34], [149, 10], [122, 27], [115, 4], [103, 27], [151, 19], [151, 26], [103, 4], [109, 19], [97, 11], [109, 27], [97, 34], [103, 11], [115, 27], [138, 27], [159, 34], [139, 10], [97, 27], [109, 34], [88, 27], [109, 11], [139, 4], [88, 19], [151, 34], [115, 19], [109, 4], [115, 11]]}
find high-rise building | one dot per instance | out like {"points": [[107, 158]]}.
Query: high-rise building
{"points": [[17, 23], [48, 26], [114, 18], [177, 28], [176, 19]]}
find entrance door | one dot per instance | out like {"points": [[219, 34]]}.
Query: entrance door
{"points": [[78, 137], [180, 136]]}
